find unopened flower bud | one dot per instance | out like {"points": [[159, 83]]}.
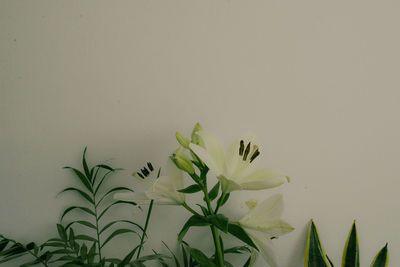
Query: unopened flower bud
{"points": [[196, 128], [183, 162], [182, 140]]}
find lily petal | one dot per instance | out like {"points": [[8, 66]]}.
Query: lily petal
{"points": [[227, 185], [265, 246], [262, 179], [207, 159], [214, 147]]}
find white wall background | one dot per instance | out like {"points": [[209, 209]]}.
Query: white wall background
{"points": [[318, 81]]}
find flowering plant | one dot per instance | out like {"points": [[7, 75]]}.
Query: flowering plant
{"points": [[235, 169]]}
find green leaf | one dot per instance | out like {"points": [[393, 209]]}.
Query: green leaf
{"points": [[184, 256], [11, 257], [351, 256], [151, 257], [115, 189], [54, 244], [85, 181], [77, 208], [219, 221], [85, 166], [85, 223], [92, 253], [101, 182], [194, 188], [86, 196], [85, 237], [214, 192], [115, 203], [62, 233], [314, 254], [381, 259], [224, 199], [201, 258], [83, 251], [128, 257], [3, 244], [117, 221], [116, 233], [195, 220], [238, 232], [204, 210], [237, 250], [170, 251]]}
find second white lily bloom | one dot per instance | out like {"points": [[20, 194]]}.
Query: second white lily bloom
{"points": [[263, 223], [236, 168], [163, 190]]}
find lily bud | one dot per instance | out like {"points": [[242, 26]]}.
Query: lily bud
{"points": [[197, 128], [182, 140], [196, 139], [183, 162]]}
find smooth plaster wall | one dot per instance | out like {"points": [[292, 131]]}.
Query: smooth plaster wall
{"points": [[318, 81]]}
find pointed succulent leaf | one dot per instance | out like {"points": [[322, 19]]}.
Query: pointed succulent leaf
{"points": [[382, 258], [315, 254], [351, 256]]}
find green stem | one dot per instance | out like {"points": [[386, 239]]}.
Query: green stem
{"points": [[97, 225], [214, 230], [219, 202], [186, 206], [145, 228]]}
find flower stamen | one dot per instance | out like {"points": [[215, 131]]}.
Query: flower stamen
{"points": [[255, 153], [241, 148], [247, 151], [150, 166]]}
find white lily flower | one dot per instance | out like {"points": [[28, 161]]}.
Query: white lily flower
{"points": [[236, 168], [263, 223], [163, 190]]}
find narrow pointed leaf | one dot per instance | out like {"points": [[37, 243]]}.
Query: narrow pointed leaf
{"points": [[85, 223], [85, 237], [85, 166], [170, 251], [351, 256], [62, 233], [85, 181], [214, 192], [116, 233], [128, 257], [194, 188], [77, 208], [192, 221], [3, 244], [115, 203], [315, 254], [382, 258], [86, 196], [238, 232], [117, 221], [201, 258], [115, 189], [219, 221]]}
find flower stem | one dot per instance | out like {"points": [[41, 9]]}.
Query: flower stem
{"points": [[214, 230], [219, 202], [145, 228]]}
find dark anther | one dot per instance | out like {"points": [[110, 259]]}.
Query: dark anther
{"points": [[255, 155], [241, 148], [141, 176], [246, 152], [145, 171], [274, 237], [150, 166]]}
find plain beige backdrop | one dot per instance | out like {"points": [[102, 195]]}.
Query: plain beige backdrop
{"points": [[318, 81]]}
